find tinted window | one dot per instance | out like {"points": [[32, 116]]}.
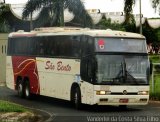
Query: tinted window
{"points": [[63, 46], [120, 45], [49, 46], [87, 45], [19, 46]]}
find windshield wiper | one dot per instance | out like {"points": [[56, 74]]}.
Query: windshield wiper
{"points": [[133, 78], [127, 74], [124, 76], [120, 78]]}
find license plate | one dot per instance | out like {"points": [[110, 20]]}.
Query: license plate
{"points": [[123, 100]]}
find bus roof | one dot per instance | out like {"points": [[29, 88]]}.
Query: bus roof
{"points": [[74, 31]]}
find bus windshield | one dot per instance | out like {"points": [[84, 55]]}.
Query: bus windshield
{"points": [[122, 69], [120, 45]]}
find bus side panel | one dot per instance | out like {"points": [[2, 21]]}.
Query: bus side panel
{"points": [[9, 73], [26, 67], [87, 93], [56, 76], [55, 85]]}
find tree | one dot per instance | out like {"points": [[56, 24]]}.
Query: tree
{"points": [[51, 11], [106, 24], [8, 22], [128, 8], [129, 23], [4, 25], [156, 4], [2, 1]]}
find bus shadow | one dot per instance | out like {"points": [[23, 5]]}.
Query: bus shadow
{"points": [[51, 101], [109, 108], [87, 108]]}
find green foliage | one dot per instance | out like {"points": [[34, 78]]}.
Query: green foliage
{"points": [[130, 26], [155, 95], [156, 5], [152, 36], [154, 58], [106, 24], [158, 34], [149, 33], [6, 106], [4, 25], [128, 8]]}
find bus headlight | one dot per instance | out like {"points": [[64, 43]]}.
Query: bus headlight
{"points": [[103, 92], [143, 93]]}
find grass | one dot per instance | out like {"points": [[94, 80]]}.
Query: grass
{"points": [[6, 106], [156, 93], [157, 83], [155, 58]]}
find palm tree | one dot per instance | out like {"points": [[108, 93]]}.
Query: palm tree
{"points": [[51, 11], [2, 1], [128, 8], [156, 4], [4, 11]]}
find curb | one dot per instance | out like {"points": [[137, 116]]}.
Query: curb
{"points": [[153, 101], [18, 117]]}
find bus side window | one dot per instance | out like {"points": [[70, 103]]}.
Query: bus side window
{"points": [[51, 48], [87, 46], [32, 45], [40, 47], [75, 45]]}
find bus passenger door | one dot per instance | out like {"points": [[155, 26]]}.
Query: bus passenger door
{"points": [[88, 79]]}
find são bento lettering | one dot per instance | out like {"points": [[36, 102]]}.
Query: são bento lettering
{"points": [[59, 66]]}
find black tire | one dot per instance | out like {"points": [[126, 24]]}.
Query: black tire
{"points": [[20, 89], [77, 98], [123, 107], [27, 90]]}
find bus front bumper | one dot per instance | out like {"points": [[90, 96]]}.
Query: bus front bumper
{"points": [[121, 99]]}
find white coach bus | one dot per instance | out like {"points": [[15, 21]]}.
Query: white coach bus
{"points": [[102, 67]]}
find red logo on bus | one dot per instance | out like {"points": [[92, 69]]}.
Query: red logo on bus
{"points": [[101, 44]]}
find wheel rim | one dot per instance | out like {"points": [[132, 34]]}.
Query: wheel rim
{"points": [[75, 98], [27, 92], [20, 89]]}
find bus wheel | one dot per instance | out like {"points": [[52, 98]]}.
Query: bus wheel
{"points": [[20, 89], [27, 90], [77, 98]]}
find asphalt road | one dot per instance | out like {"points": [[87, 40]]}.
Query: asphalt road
{"points": [[55, 110]]}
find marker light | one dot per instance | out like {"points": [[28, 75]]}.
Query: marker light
{"points": [[102, 92], [143, 93]]}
